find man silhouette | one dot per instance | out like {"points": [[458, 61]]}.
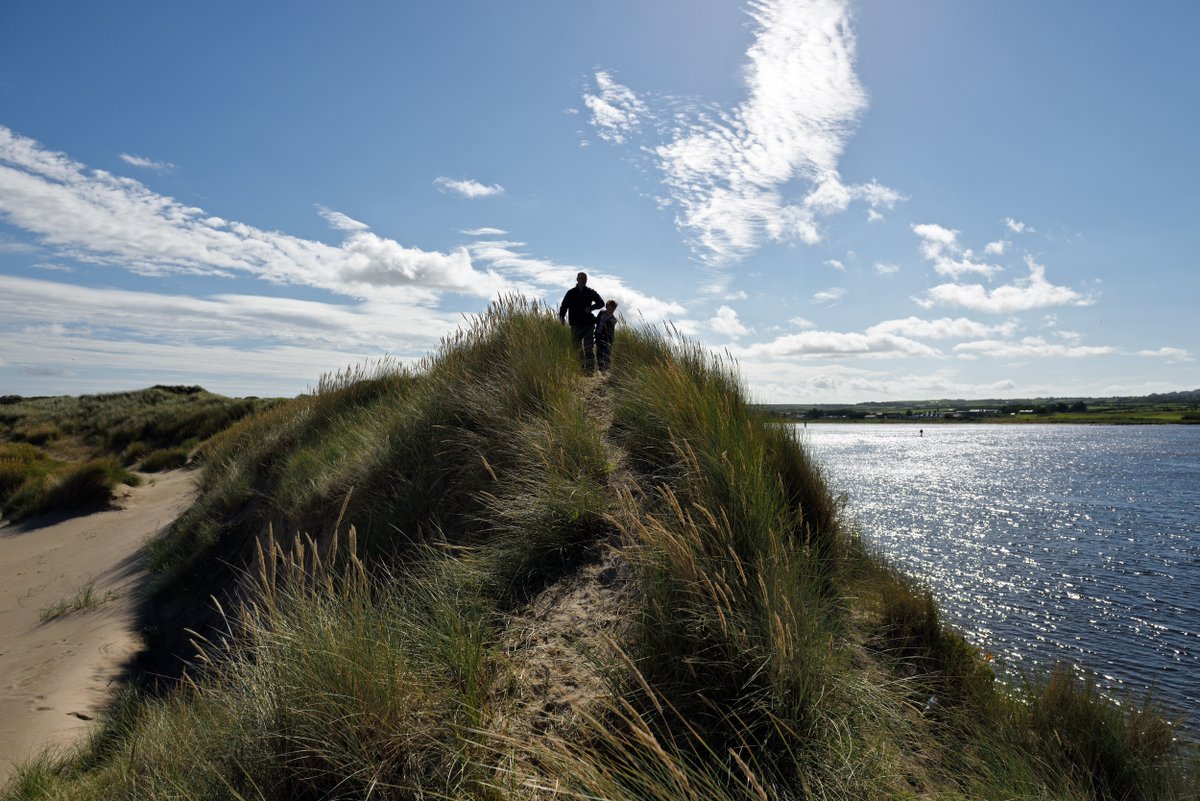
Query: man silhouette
{"points": [[577, 306]]}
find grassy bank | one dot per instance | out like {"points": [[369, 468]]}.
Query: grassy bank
{"points": [[63, 453], [491, 577]]}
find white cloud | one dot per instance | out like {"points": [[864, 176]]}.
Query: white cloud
{"points": [[94, 216], [340, 221], [883, 268], [616, 109], [823, 382], [536, 277], [467, 188], [726, 170], [801, 323], [53, 267], [688, 328], [244, 343], [835, 264], [1071, 337], [149, 164], [739, 295], [1034, 292], [944, 328], [873, 215], [726, 323], [484, 232], [365, 326], [1172, 355], [937, 239], [833, 344], [831, 295], [235, 370], [12, 246], [940, 245], [1018, 227], [1031, 347], [996, 248]]}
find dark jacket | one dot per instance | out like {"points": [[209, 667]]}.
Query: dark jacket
{"points": [[606, 326], [578, 304]]}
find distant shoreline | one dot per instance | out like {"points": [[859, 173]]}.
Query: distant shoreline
{"points": [[1168, 409], [1005, 421]]}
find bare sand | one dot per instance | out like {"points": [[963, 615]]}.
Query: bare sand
{"points": [[57, 675]]}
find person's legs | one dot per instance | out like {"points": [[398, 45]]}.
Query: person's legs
{"points": [[584, 336], [603, 354]]}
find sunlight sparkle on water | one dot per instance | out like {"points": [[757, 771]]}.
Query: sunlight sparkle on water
{"points": [[1042, 543]]}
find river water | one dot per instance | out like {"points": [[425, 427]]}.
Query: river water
{"points": [[1042, 543]]}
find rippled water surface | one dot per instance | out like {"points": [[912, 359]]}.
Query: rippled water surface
{"points": [[1042, 542]]}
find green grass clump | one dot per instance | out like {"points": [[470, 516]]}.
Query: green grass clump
{"points": [[83, 435], [32, 483], [86, 598], [165, 459], [68, 488], [37, 434], [158, 417], [1116, 752], [23, 471]]}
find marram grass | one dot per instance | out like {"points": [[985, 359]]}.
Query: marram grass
{"points": [[765, 652], [59, 454]]}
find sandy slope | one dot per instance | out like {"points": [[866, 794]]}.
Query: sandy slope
{"points": [[55, 676]]}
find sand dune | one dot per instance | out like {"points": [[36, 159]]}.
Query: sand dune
{"points": [[56, 675]]}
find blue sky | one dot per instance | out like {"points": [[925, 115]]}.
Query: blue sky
{"points": [[856, 200]]}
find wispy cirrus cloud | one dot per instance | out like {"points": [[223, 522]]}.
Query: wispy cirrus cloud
{"points": [[484, 231], [12, 246], [51, 266], [617, 111], [831, 295], [729, 173], [368, 326], [229, 342], [1171, 355], [96, 217], [834, 344], [825, 381], [1032, 292], [943, 328], [1032, 347], [467, 188], [147, 164], [340, 221], [538, 277]]}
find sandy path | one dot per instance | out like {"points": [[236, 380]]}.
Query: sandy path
{"points": [[57, 675]]}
